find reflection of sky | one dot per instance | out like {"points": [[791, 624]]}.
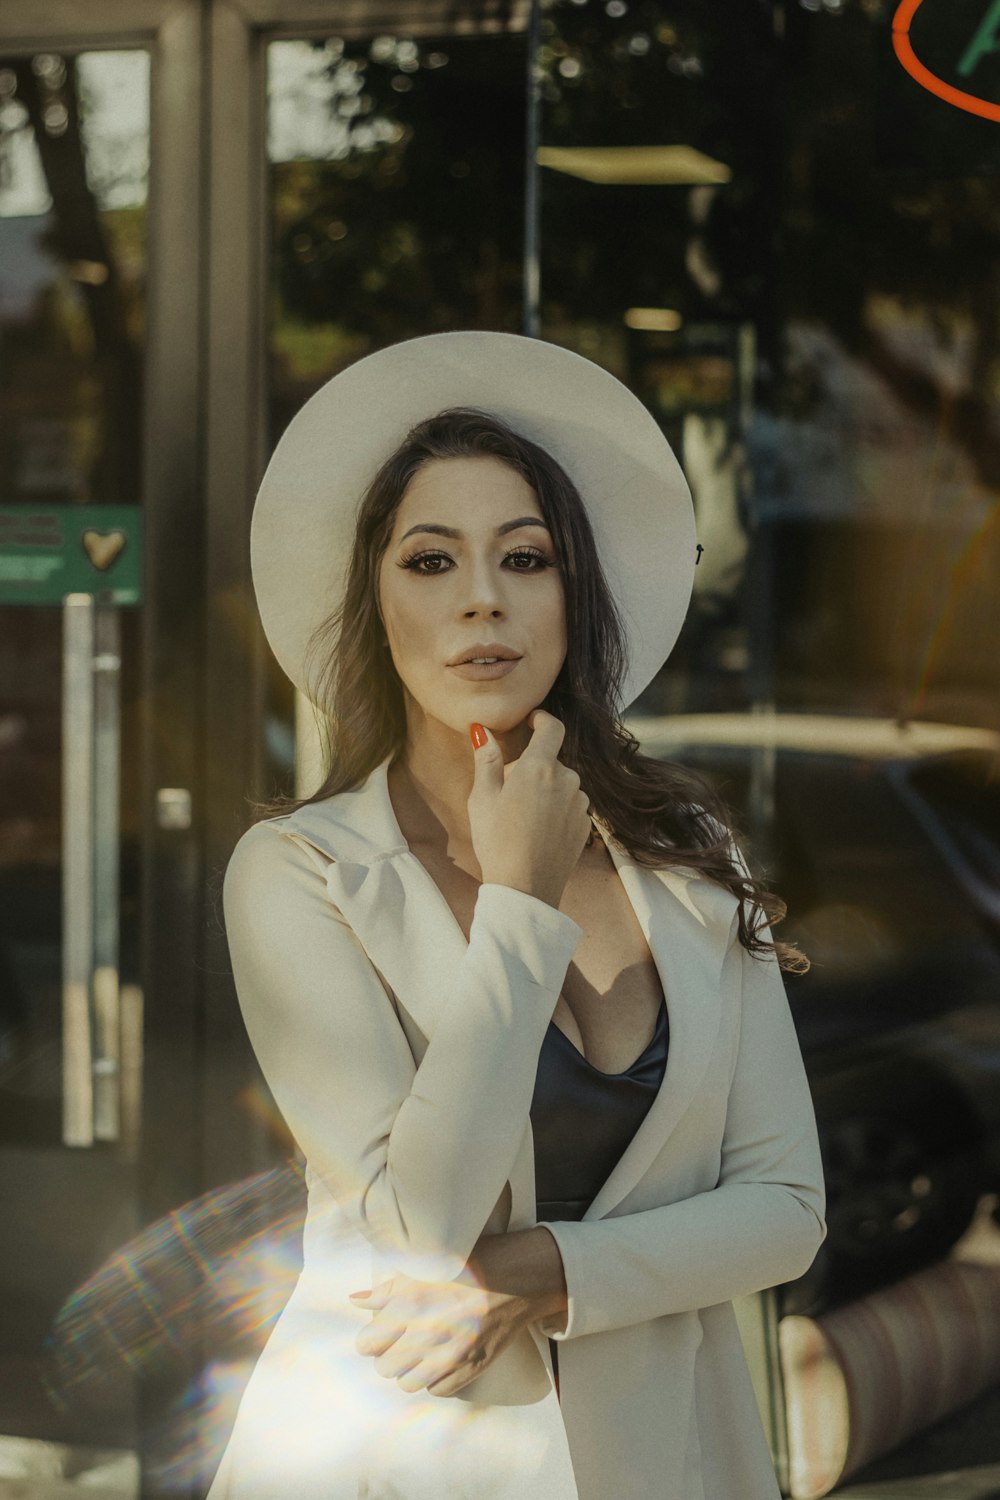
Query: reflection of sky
{"points": [[25, 267], [311, 102], [23, 189], [114, 111]]}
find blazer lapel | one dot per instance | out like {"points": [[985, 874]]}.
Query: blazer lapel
{"points": [[688, 922], [403, 922]]}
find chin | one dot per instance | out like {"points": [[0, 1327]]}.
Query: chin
{"points": [[501, 718]]}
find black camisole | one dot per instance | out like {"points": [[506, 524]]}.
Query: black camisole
{"points": [[583, 1119]]}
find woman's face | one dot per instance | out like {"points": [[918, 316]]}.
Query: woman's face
{"points": [[470, 562]]}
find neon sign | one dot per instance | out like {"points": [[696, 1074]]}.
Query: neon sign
{"points": [[985, 42]]}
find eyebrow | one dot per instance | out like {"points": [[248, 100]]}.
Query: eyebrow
{"points": [[450, 530]]}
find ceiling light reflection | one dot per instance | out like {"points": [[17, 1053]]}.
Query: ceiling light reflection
{"points": [[634, 164]]}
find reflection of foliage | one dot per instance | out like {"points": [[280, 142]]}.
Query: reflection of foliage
{"points": [[124, 230], [889, 193], [655, 74], [620, 74], [311, 350], [848, 182], [417, 221], [418, 224]]}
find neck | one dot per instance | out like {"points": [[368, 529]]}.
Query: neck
{"points": [[432, 779]]}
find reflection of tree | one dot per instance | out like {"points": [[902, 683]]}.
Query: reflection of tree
{"points": [[76, 237], [654, 74], [423, 230], [889, 191], [848, 181]]}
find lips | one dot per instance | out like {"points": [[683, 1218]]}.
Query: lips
{"points": [[485, 671], [496, 650]]}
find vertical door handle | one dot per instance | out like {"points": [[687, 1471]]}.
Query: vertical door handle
{"points": [[78, 868], [91, 735], [107, 834]]}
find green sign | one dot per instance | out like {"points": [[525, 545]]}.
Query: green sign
{"points": [[49, 551]]}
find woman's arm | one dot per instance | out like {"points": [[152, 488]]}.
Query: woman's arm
{"points": [[418, 1155], [761, 1225], [524, 1263]]}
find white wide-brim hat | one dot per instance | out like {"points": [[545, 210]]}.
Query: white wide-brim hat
{"points": [[632, 486]]}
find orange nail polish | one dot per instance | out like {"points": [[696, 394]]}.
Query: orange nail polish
{"points": [[478, 734]]}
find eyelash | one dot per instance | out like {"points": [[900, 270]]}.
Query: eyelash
{"points": [[417, 557]]}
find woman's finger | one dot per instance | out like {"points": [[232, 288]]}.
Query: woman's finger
{"points": [[377, 1338], [442, 1375], [397, 1360], [547, 735], [453, 1380]]}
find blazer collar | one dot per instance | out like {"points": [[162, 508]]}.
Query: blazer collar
{"points": [[410, 934]]}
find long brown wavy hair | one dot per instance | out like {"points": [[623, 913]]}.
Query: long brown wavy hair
{"points": [[661, 812]]}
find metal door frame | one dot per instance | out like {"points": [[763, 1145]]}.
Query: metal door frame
{"points": [[172, 615]]}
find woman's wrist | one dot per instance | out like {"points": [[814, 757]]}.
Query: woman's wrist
{"points": [[552, 1301], [524, 1263]]}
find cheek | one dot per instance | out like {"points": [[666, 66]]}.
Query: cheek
{"points": [[555, 627], [398, 613], [411, 634]]}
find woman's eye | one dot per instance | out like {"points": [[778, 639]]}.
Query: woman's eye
{"points": [[532, 553], [419, 558]]}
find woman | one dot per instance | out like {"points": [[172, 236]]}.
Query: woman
{"points": [[498, 971]]}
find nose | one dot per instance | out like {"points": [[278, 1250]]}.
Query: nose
{"points": [[484, 595]]}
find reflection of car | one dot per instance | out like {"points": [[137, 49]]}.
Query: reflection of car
{"points": [[885, 842]]}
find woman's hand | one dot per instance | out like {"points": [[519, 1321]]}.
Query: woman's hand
{"points": [[529, 820], [441, 1335], [438, 1336]]}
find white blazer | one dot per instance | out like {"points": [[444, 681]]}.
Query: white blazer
{"points": [[403, 1059]]}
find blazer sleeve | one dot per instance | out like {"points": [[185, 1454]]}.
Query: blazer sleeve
{"points": [[763, 1222], [417, 1156]]}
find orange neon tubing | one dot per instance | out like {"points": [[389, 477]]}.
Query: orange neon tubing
{"points": [[928, 80]]}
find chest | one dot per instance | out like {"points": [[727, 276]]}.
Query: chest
{"points": [[612, 993]]}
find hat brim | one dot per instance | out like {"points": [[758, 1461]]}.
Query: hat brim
{"points": [[636, 497]]}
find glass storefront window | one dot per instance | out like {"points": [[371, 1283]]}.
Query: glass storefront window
{"points": [[754, 223], [788, 250]]}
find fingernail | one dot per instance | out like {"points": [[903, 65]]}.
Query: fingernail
{"points": [[478, 734], [360, 1294]]}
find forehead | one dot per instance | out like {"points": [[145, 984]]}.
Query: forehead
{"points": [[466, 486]]}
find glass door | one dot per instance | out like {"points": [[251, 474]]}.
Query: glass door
{"points": [[74, 169], [93, 777]]}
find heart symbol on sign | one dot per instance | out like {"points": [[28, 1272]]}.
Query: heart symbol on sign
{"points": [[103, 547]]}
